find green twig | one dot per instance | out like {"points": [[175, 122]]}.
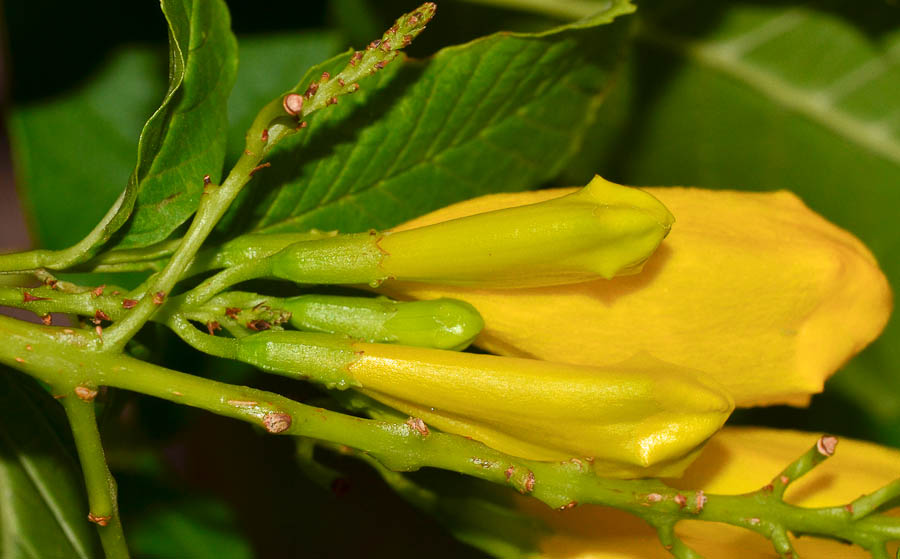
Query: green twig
{"points": [[101, 487], [62, 359]]}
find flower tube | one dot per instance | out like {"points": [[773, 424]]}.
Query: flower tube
{"points": [[634, 419], [600, 231], [754, 289]]}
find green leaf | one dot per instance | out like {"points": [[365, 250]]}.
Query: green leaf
{"points": [[501, 113], [185, 138], [190, 528], [82, 142], [43, 509], [763, 96], [74, 152]]}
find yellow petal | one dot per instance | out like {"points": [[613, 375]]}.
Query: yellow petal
{"points": [[737, 460], [755, 289], [635, 419]]}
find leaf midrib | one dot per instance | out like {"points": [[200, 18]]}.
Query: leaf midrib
{"points": [[872, 135]]}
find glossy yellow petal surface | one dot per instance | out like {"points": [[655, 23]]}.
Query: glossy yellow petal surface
{"points": [[735, 461], [755, 289], [635, 419]]}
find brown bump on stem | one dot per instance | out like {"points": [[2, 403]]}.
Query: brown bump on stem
{"points": [[311, 90], [28, 347], [331, 101], [265, 135], [768, 488], [380, 64], [260, 305], [129, 303], [51, 283], [19, 360], [392, 30], [100, 315], [413, 19], [259, 167], [784, 480], [212, 326], [681, 500], [356, 57], [99, 330], [569, 505], [654, 498], [418, 425], [116, 292], [529, 482], [509, 472], [248, 152], [354, 88], [277, 422], [341, 82], [206, 180], [826, 445], [85, 393], [159, 298], [700, 500], [374, 44], [232, 312], [98, 291], [325, 76], [293, 103], [99, 520], [47, 319], [849, 508], [303, 124], [385, 47], [407, 39], [258, 325], [28, 297]]}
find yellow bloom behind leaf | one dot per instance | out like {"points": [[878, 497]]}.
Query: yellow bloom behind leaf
{"points": [[755, 289], [736, 460]]}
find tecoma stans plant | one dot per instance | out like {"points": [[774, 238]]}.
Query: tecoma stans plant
{"points": [[378, 242]]}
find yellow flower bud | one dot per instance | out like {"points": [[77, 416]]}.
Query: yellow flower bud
{"points": [[602, 230], [736, 460], [755, 289], [635, 419]]}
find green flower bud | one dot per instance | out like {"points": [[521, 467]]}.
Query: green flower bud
{"points": [[441, 324]]}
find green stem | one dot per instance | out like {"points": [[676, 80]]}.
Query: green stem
{"points": [[212, 207], [101, 487], [61, 359]]}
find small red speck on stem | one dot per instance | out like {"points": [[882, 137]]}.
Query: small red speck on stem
{"points": [[159, 298], [331, 101], [232, 312], [206, 180], [265, 135], [129, 303], [19, 360], [357, 56], [47, 319], [85, 393], [99, 520], [826, 445], [28, 297], [212, 326], [98, 291], [311, 90], [326, 76], [258, 325], [100, 315]]}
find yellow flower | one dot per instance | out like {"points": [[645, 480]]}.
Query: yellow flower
{"points": [[601, 230], [635, 419], [755, 289], [737, 460]]}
